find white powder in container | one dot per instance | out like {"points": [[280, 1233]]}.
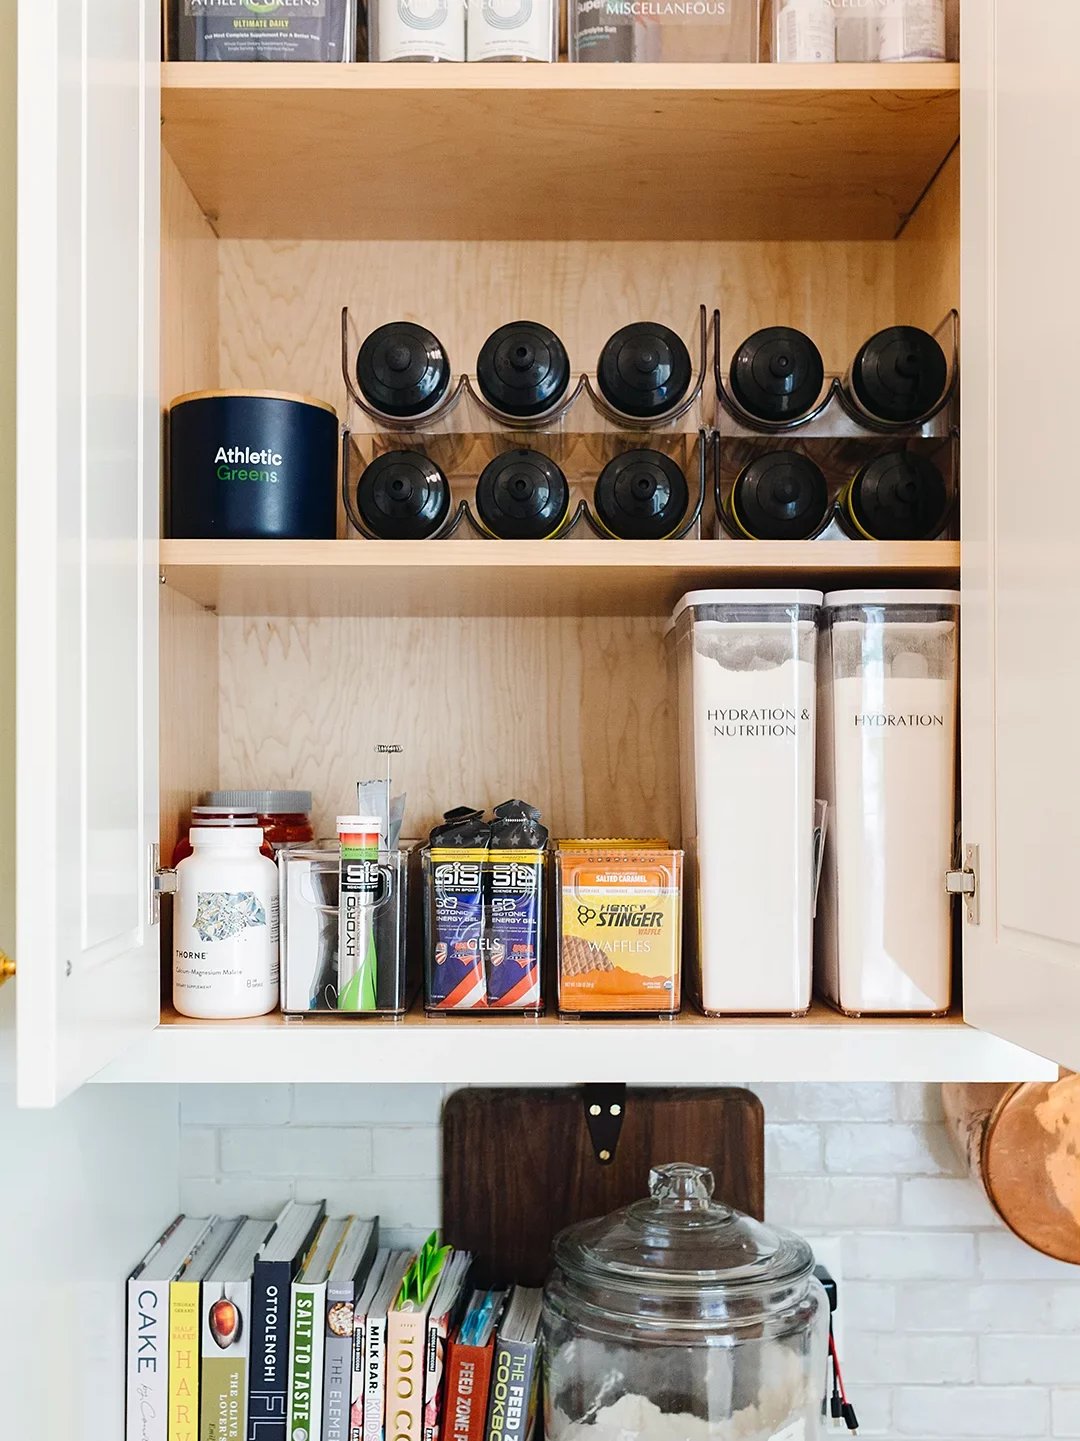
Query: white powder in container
{"points": [[748, 700]]}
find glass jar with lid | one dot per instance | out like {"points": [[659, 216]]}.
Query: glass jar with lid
{"points": [[679, 1318]]}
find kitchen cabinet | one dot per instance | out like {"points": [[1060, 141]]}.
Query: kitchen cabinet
{"points": [[826, 197]]}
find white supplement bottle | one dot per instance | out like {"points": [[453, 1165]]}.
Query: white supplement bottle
{"points": [[417, 30], [225, 926], [512, 30], [747, 707], [887, 767], [912, 30], [805, 32]]}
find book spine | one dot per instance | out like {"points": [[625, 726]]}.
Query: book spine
{"points": [[359, 1355], [184, 1360], [512, 1406], [269, 1364], [465, 1398], [434, 1374], [226, 1348], [337, 1361], [406, 1336], [147, 1360], [305, 1362], [374, 1378]]}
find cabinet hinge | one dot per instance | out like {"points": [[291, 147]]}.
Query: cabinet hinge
{"points": [[162, 883], [965, 882]]}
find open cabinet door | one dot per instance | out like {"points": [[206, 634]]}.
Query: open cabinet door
{"points": [[1021, 519], [87, 497]]}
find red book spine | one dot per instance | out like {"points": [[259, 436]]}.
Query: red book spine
{"points": [[468, 1380]]}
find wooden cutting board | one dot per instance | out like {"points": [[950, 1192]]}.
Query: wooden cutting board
{"points": [[519, 1165]]}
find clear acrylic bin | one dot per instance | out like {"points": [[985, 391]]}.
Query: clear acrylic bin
{"points": [[484, 929], [309, 888], [747, 661], [887, 766], [712, 31]]}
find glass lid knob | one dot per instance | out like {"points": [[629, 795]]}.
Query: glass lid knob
{"points": [[681, 1186]]}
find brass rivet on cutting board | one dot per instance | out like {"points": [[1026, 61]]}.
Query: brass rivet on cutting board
{"points": [[594, 1110], [605, 1155]]}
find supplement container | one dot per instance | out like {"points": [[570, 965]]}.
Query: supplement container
{"points": [[285, 816], [512, 30], [225, 926], [223, 816], [423, 30], [270, 30], [887, 766], [746, 720], [652, 30], [252, 465], [679, 1319], [804, 32], [620, 927], [912, 30], [310, 890]]}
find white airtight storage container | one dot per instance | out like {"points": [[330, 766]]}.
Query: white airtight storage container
{"points": [[746, 661], [887, 766]]}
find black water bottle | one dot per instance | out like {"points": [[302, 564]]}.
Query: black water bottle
{"points": [[641, 495], [776, 374], [402, 495], [523, 369], [402, 370], [522, 495], [779, 496], [898, 496], [644, 370], [899, 375]]}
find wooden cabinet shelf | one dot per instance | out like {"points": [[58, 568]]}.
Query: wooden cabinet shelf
{"points": [[690, 1049], [479, 577], [567, 152]]}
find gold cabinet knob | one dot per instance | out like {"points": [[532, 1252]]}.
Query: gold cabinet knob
{"points": [[7, 967]]}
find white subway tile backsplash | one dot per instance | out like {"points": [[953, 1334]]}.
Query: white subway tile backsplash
{"points": [[944, 1201], [1018, 1360], [897, 1149], [953, 1329], [956, 1412], [297, 1151]]}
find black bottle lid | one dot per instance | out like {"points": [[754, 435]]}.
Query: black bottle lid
{"points": [[402, 369], [644, 369], [523, 368], [777, 374], [780, 496], [402, 495], [899, 374], [522, 495], [641, 495], [898, 496]]}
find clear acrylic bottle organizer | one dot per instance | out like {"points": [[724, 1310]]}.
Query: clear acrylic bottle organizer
{"points": [[841, 440], [485, 930], [450, 447], [309, 890]]}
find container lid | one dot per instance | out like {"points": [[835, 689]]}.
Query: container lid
{"points": [[288, 395], [900, 373], [763, 598], [264, 803], [402, 369], [777, 373], [403, 495], [898, 496], [644, 369], [641, 495], [679, 1243], [240, 814], [248, 836], [351, 825], [780, 496], [522, 495], [523, 368], [834, 599]]}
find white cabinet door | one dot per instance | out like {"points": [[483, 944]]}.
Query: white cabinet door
{"points": [[1021, 518], [87, 492]]}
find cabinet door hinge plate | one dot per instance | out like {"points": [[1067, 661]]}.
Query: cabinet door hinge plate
{"points": [[162, 883], [965, 882]]}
